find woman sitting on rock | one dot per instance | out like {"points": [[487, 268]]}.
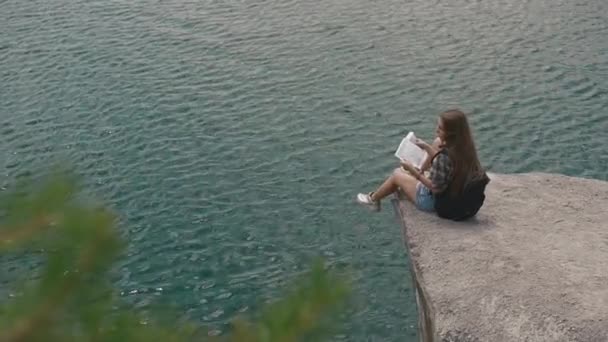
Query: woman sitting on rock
{"points": [[453, 163]]}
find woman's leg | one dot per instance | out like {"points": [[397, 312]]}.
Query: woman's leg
{"points": [[399, 179]]}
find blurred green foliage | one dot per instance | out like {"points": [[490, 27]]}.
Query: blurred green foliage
{"points": [[71, 298]]}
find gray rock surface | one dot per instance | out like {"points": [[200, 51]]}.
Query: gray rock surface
{"points": [[532, 266]]}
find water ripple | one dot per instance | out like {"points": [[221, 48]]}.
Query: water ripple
{"points": [[230, 136]]}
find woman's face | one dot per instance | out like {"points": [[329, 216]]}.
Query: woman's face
{"points": [[439, 130]]}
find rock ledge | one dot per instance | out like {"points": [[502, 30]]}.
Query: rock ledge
{"points": [[532, 266]]}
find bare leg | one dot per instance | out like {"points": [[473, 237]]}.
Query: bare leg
{"points": [[399, 179]]}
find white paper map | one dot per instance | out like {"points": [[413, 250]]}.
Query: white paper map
{"points": [[408, 150]]}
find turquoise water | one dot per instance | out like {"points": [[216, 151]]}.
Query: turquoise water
{"points": [[231, 136]]}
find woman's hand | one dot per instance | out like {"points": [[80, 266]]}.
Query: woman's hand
{"points": [[422, 144], [409, 167]]}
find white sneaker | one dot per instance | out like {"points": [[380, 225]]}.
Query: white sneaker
{"points": [[366, 199]]}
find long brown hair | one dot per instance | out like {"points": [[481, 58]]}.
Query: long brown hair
{"points": [[461, 149]]}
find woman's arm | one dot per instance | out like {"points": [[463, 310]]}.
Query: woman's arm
{"points": [[427, 162], [418, 175], [431, 151], [424, 180], [440, 173]]}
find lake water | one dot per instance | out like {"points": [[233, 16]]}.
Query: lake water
{"points": [[232, 136]]}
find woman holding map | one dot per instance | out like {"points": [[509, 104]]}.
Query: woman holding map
{"points": [[452, 159]]}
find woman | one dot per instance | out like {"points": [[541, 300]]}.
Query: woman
{"points": [[449, 171]]}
